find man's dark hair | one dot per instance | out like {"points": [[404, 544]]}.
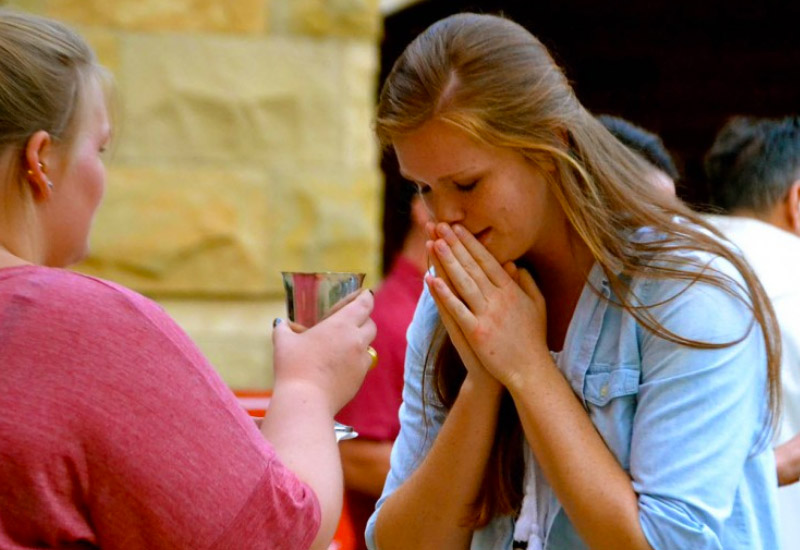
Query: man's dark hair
{"points": [[643, 142], [753, 162]]}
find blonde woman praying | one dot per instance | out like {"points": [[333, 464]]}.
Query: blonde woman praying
{"points": [[589, 366]]}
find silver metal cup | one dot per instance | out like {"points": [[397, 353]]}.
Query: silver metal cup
{"points": [[312, 296]]}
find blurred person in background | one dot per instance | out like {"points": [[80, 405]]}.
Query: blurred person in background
{"points": [[753, 169], [116, 432], [649, 146], [373, 411]]}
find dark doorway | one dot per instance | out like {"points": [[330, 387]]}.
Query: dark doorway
{"points": [[677, 68]]}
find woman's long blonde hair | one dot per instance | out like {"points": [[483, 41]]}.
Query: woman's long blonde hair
{"points": [[491, 78]]}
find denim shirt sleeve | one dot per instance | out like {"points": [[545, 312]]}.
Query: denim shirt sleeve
{"points": [[700, 414], [417, 431]]}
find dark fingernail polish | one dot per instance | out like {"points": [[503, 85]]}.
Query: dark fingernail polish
{"points": [[276, 321]]}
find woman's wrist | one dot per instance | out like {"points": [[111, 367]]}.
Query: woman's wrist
{"points": [[537, 367], [481, 386], [303, 394]]}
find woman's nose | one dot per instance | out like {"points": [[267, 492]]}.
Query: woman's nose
{"points": [[448, 211]]}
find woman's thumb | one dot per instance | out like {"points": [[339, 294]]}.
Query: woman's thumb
{"points": [[512, 271], [527, 284]]}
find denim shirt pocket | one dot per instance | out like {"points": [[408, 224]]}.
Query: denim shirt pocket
{"points": [[601, 387], [610, 395]]}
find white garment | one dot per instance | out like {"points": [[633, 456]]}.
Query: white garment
{"points": [[539, 504], [775, 257]]}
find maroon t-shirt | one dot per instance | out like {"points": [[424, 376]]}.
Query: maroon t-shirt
{"points": [[117, 433], [373, 411]]}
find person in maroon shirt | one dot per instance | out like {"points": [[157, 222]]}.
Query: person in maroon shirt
{"points": [[373, 411]]}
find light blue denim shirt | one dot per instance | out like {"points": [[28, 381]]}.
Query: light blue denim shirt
{"points": [[687, 424]]}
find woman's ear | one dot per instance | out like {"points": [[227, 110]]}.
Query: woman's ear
{"points": [[38, 152], [793, 207]]}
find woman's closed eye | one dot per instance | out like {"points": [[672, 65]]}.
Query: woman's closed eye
{"points": [[467, 186]]}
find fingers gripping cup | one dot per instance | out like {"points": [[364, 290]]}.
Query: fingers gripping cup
{"points": [[312, 296]]}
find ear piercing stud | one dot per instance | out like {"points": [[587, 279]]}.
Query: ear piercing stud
{"points": [[41, 167], [49, 183]]}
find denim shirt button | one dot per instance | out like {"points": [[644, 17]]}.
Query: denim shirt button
{"points": [[604, 391]]}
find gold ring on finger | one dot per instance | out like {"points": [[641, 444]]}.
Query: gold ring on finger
{"points": [[374, 355]]}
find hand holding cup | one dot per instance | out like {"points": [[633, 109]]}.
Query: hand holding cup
{"points": [[333, 351]]}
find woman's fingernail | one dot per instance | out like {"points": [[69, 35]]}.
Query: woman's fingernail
{"points": [[276, 321]]}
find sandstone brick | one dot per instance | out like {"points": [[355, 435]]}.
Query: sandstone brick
{"points": [[106, 44], [332, 223], [32, 6], [235, 335], [229, 100], [360, 98], [343, 18], [181, 231], [164, 15]]}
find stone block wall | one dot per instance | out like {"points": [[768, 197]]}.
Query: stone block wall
{"points": [[242, 148]]}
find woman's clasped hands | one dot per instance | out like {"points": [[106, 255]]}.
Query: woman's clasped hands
{"points": [[495, 314]]}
